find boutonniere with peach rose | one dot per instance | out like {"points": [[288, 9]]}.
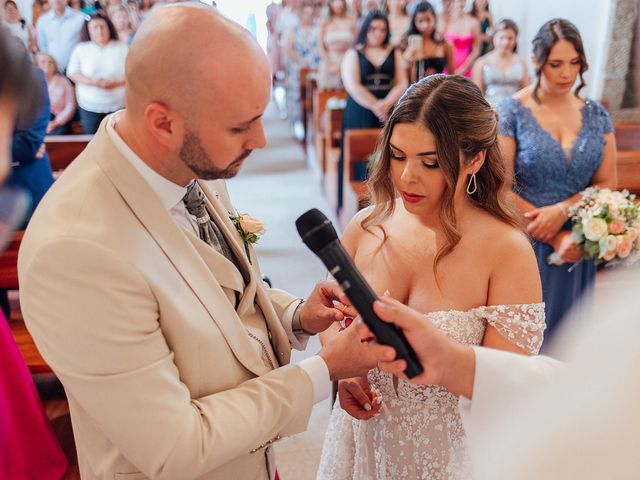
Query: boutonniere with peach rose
{"points": [[249, 228]]}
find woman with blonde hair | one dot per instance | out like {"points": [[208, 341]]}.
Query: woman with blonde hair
{"points": [[61, 95], [336, 35], [441, 238]]}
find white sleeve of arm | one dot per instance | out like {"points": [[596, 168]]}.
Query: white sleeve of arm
{"points": [[499, 380]]}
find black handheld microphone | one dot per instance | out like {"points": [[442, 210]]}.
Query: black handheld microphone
{"points": [[318, 234]]}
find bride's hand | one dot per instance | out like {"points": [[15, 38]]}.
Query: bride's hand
{"points": [[358, 399]]}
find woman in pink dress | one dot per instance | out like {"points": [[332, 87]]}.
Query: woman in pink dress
{"points": [[462, 31]]}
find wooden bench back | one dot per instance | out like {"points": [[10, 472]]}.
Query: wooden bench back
{"points": [[9, 263], [63, 149], [629, 171], [358, 145], [627, 135], [320, 98]]}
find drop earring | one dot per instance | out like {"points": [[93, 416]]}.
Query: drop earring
{"points": [[472, 186]]}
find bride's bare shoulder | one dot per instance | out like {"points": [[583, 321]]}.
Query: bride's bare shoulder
{"points": [[356, 231], [503, 240]]}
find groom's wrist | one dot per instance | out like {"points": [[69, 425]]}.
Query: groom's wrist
{"points": [[296, 322]]}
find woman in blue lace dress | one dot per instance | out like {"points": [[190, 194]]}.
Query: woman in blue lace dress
{"points": [[557, 144]]}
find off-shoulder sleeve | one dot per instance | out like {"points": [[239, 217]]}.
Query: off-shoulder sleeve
{"points": [[507, 117], [521, 324]]}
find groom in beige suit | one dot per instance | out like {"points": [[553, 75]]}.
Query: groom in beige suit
{"points": [[136, 286]]}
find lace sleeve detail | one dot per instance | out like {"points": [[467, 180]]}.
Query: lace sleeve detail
{"points": [[521, 324], [507, 117]]}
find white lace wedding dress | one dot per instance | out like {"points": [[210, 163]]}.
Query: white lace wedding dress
{"points": [[419, 434]]}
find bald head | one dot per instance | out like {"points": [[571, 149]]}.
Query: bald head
{"points": [[186, 54]]}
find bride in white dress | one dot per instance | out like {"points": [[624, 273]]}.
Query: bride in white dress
{"points": [[442, 239]]}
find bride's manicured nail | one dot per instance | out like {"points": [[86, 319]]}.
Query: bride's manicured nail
{"points": [[367, 407]]}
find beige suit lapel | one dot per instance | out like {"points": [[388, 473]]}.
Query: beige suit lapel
{"points": [[255, 291], [146, 206], [219, 204]]}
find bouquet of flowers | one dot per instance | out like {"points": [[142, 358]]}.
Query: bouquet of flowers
{"points": [[606, 225]]}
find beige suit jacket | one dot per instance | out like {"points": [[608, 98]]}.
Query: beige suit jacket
{"points": [[162, 379]]}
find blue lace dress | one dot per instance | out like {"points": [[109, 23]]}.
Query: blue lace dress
{"points": [[545, 174]]}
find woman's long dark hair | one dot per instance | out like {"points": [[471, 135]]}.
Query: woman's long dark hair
{"points": [[361, 39], [424, 7], [463, 123], [549, 34]]}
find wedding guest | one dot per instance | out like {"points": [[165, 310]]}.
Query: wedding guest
{"points": [[337, 32], [136, 16], [39, 8], [399, 21], [59, 31], [145, 7], [444, 14], [426, 52], [442, 238], [83, 6], [462, 31], [557, 143], [502, 72], [141, 295], [61, 96], [121, 18], [28, 447], [480, 10], [302, 52], [97, 68], [373, 77], [30, 170], [274, 52], [19, 27]]}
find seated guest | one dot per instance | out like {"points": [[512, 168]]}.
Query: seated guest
{"points": [[373, 77], [502, 72], [336, 35], [121, 18], [28, 447], [426, 52], [61, 96], [97, 68], [19, 27], [59, 31], [462, 31], [398, 21]]}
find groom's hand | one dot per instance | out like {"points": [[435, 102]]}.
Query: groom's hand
{"points": [[319, 313], [347, 354]]}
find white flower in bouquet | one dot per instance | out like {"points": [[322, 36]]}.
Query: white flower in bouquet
{"points": [[595, 228]]}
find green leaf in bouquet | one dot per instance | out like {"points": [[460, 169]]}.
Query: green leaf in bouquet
{"points": [[591, 249]]}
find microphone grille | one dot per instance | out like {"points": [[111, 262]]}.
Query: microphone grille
{"points": [[315, 229]]}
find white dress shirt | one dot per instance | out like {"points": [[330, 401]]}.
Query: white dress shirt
{"points": [[58, 34], [171, 195]]}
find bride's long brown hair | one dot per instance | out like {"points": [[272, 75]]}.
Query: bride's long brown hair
{"points": [[463, 123]]}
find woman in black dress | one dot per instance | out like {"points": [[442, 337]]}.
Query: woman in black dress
{"points": [[373, 77]]}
